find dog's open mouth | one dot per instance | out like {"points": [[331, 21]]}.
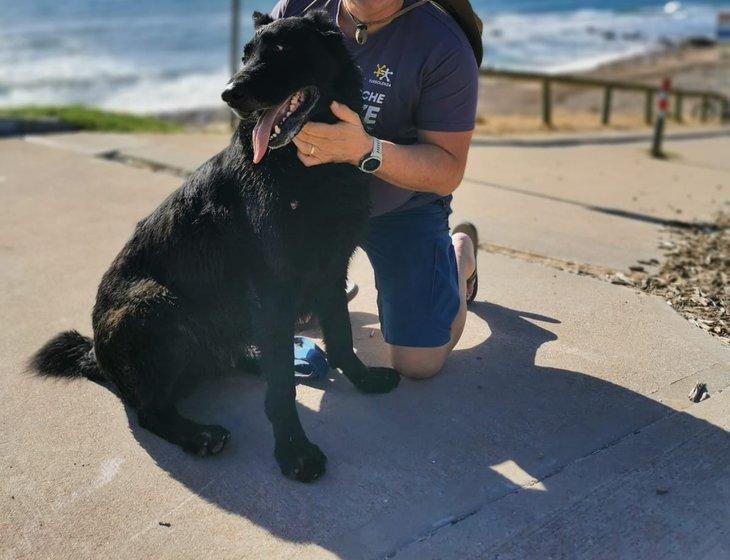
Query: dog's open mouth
{"points": [[279, 124]]}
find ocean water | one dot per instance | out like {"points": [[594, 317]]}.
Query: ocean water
{"points": [[168, 55]]}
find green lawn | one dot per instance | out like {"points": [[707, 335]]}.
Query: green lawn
{"points": [[85, 118]]}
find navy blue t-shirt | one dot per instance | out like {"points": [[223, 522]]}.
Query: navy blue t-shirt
{"points": [[419, 73]]}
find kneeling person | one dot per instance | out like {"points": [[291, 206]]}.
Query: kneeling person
{"points": [[420, 81]]}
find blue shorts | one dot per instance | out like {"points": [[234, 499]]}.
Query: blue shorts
{"points": [[415, 275]]}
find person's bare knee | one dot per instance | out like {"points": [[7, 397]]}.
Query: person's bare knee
{"points": [[418, 363]]}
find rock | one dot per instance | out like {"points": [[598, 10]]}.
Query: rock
{"points": [[699, 42], [621, 279], [699, 393]]}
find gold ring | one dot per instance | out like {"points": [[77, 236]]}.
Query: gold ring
{"points": [[311, 150]]}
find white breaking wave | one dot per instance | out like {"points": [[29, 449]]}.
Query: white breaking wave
{"points": [[108, 82], [193, 91], [585, 39]]}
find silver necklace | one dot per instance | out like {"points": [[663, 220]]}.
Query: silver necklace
{"points": [[361, 27]]}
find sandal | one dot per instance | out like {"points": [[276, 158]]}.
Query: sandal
{"points": [[351, 290], [472, 283]]}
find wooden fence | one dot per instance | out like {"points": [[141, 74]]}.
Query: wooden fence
{"points": [[708, 99]]}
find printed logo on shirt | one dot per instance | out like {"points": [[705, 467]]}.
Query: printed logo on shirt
{"points": [[382, 72]]}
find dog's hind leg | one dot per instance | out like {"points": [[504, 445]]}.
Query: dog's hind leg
{"points": [[155, 358], [170, 367], [331, 308], [199, 439]]}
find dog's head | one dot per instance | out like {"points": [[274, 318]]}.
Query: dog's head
{"points": [[292, 69]]}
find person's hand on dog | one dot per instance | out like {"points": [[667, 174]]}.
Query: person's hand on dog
{"points": [[343, 142]]}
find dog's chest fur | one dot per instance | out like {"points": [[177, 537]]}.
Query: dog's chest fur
{"points": [[309, 219]]}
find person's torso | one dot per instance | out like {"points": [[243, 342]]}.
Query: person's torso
{"points": [[393, 62]]}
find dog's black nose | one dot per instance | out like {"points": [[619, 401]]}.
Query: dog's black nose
{"points": [[230, 94], [225, 95]]}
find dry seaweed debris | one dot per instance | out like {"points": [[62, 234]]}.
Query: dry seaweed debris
{"points": [[694, 277]]}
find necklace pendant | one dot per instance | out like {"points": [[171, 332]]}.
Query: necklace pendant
{"points": [[361, 34]]}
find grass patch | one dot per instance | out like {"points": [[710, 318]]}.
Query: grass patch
{"points": [[86, 118]]}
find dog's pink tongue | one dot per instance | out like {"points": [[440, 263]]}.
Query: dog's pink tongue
{"points": [[261, 133]]}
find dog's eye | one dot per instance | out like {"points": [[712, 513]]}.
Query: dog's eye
{"points": [[279, 48]]}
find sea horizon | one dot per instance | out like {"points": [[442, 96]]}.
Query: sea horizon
{"points": [[170, 55]]}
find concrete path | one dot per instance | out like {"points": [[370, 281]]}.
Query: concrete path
{"points": [[560, 427], [571, 197]]}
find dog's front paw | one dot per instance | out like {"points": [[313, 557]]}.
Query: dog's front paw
{"points": [[378, 380], [304, 462]]}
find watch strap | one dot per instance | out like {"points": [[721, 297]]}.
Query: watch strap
{"points": [[375, 153]]}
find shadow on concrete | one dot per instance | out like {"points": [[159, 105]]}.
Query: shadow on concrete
{"points": [[602, 209], [426, 456]]}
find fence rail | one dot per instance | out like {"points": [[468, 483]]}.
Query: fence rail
{"points": [[679, 95]]}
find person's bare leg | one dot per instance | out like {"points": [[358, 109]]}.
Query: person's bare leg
{"points": [[465, 264], [422, 363]]}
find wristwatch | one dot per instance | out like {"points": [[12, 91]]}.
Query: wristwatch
{"points": [[371, 162]]}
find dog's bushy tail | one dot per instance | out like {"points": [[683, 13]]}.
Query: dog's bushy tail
{"points": [[68, 354]]}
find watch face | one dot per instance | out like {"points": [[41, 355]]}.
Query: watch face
{"points": [[371, 164]]}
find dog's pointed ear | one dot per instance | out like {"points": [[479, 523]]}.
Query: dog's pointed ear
{"points": [[260, 19], [323, 23]]}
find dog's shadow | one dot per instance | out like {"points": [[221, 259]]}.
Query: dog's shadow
{"points": [[428, 451]]}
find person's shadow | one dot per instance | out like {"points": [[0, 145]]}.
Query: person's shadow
{"points": [[428, 453]]}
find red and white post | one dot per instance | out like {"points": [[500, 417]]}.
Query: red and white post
{"points": [[656, 150]]}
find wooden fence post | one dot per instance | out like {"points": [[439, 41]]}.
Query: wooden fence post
{"points": [[649, 107], [656, 149], [704, 108], [607, 98], [547, 104], [678, 107]]}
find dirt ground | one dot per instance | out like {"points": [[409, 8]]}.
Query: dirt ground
{"points": [[508, 106]]}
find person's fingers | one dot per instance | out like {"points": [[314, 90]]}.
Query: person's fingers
{"points": [[307, 148], [320, 130], [303, 158], [308, 160], [307, 138], [301, 144], [344, 113]]}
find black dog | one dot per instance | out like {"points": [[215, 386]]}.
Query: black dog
{"points": [[220, 272]]}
